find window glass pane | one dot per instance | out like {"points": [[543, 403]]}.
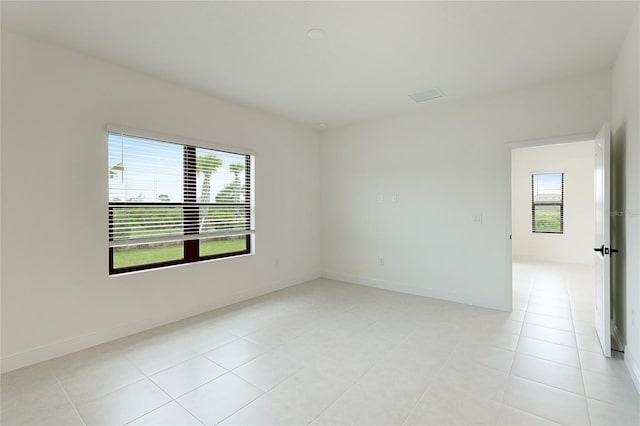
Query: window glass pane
{"points": [[145, 221], [213, 246], [145, 254], [547, 219], [220, 176], [547, 188], [144, 170], [224, 218]]}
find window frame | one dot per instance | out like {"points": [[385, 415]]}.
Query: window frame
{"points": [[190, 203], [534, 204]]}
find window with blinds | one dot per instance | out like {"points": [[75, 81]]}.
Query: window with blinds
{"points": [[547, 206], [171, 203]]}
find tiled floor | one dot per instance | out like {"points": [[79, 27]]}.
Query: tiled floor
{"points": [[326, 352]]}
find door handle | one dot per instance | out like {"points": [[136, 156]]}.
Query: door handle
{"points": [[605, 250]]}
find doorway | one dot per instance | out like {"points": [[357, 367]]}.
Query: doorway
{"points": [[552, 241]]}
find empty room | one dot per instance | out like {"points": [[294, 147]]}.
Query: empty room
{"points": [[320, 213]]}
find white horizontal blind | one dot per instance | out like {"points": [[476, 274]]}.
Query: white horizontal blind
{"points": [[161, 191], [547, 207]]}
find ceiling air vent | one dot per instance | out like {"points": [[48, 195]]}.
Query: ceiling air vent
{"points": [[427, 95]]}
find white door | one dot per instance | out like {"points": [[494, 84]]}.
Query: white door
{"points": [[602, 238]]}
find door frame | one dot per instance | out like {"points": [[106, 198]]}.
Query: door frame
{"points": [[508, 149]]}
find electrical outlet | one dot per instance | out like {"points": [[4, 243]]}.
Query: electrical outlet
{"points": [[476, 218]]}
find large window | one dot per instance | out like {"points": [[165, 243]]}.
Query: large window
{"points": [[173, 203], [547, 206]]}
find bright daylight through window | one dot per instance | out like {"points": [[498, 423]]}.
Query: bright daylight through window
{"points": [[547, 206], [171, 203]]}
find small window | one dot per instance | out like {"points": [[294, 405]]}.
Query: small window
{"points": [[547, 207], [172, 203]]}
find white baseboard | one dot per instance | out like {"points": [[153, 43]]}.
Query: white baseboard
{"points": [[633, 367], [77, 343], [554, 261], [418, 291]]}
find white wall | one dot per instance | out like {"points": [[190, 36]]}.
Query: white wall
{"points": [[56, 293], [575, 244], [625, 125], [445, 162]]}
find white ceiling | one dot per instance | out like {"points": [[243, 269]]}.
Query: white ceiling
{"points": [[372, 56]]}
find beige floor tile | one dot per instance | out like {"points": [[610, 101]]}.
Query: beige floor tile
{"points": [[94, 380], [358, 407], [448, 405], [41, 415], [502, 340], [123, 405], [30, 391], [236, 353], [604, 414], [549, 321], [510, 416], [616, 390], [219, 399], [390, 382], [205, 340], [342, 365], [585, 327], [549, 351], [548, 402], [545, 308], [298, 400], [267, 370], [547, 334], [187, 376], [170, 414], [155, 357], [597, 362], [477, 380], [488, 356], [588, 343], [32, 396], [549, 373]]}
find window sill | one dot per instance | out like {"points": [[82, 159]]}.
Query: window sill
{"points": [[160, 268]]}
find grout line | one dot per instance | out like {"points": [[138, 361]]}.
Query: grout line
{"points": [[584, 388], [515, 352], [553, 343], [248, 403], [70, 401], [352, 384], [171, 399], [192, 414], [550, 360], [331, 403], [528, 379], [95, 398], [149, 412], [427, 389]]}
